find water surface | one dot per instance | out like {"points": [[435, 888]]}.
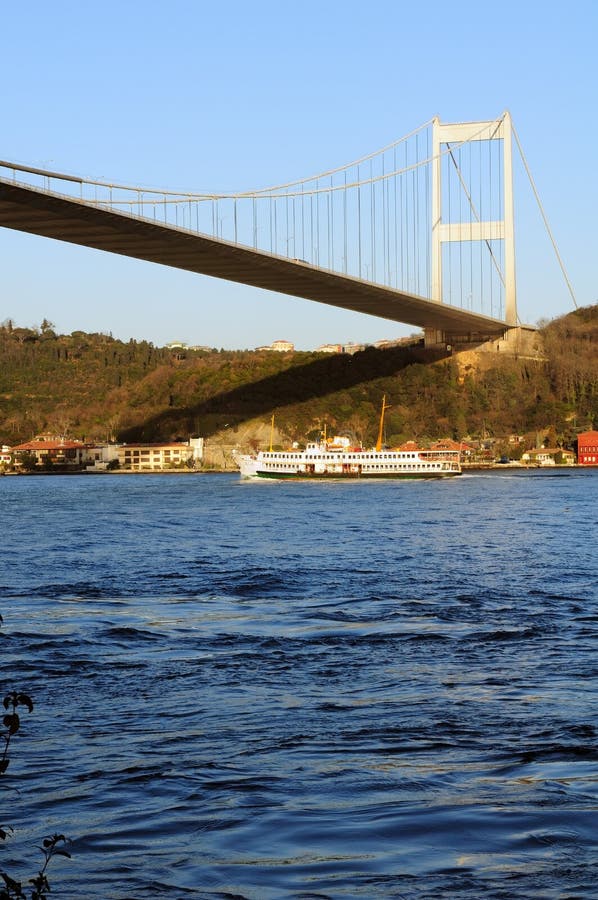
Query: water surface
{"points": [[304, 690]]}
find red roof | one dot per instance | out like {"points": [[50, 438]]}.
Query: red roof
{"points": [[49, 445]]}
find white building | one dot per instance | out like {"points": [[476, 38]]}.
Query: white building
{"points": [[5, 457], [161, 457], [101, 456], [329, 348], [549, 456]]}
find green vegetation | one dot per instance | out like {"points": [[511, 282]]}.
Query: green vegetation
{"points": [[94, 387]]}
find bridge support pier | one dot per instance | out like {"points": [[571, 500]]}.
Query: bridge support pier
{"points": [[522, 340], [435, 338]]}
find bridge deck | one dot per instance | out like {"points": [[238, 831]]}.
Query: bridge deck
{"points": [[57, 216]]}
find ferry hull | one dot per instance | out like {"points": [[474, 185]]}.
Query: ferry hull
{"points": [[340, 476]]}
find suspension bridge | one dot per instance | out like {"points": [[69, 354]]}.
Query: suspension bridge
{"points": [[420, 232]]}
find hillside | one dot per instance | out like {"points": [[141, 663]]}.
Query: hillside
{"points": [[95, 387]]}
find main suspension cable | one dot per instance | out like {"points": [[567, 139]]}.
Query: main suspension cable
{"points": [[548, 229]]}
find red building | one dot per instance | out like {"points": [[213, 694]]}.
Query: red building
{"points": [[587, 448]]}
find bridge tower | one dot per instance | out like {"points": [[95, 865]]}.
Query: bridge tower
{"points": [[443, 135]]}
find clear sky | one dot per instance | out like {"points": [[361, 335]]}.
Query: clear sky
{"points": [[192, 95]]}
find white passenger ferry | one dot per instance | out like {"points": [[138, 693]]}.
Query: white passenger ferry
{"points": [[337, 459], [323, 460]]}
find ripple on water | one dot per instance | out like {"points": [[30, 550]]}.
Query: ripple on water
{"points": [[361, 691]]}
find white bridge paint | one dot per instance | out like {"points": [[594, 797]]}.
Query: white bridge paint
{"points": [[443, 134]]}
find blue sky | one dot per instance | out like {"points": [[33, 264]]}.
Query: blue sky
{"points": [[232, 96]]}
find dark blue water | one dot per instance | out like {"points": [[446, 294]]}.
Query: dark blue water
{"points": [[304, 690]]}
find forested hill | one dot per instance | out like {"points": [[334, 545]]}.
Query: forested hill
{"points": [[95, 387]]}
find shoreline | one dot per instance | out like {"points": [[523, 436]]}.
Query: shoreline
{"points": [[465, 468]]}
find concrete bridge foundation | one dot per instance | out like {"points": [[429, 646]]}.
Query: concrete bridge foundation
{"points": [[521, 340]]}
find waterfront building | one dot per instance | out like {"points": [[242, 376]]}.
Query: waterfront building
{"points": [[160, 457], [587, 448], [101, 457], [450, 444], [549, 456], [5, 456], [50, 452]]}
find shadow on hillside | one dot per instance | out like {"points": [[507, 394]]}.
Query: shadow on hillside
{"points": [[295, 385]]}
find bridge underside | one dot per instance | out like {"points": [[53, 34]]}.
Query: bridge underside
{"points": [[77, 222]]}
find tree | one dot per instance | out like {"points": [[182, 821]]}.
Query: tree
{"points": [[28, 461]]}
